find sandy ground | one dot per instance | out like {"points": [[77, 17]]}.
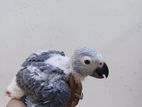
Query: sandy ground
{"points": [[113, 27]]}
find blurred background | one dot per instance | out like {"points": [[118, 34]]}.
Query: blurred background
{"points": [[112, 26]]}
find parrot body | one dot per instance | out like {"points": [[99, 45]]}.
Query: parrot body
{"points": [[51, 79]]}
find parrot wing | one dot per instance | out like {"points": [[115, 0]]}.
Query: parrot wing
{"points": [[43, 84]]}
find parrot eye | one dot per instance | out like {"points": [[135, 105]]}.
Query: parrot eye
{"points": [[87, 60]]}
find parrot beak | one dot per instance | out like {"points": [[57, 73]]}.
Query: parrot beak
{"points": [[101, 72]]}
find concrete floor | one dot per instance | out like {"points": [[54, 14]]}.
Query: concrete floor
{"points": [[113, 27]]}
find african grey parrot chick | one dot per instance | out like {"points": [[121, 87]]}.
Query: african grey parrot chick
{"points": [[42, 79]]}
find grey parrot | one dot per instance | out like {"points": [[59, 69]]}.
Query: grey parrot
{"points": [[42, 80]]}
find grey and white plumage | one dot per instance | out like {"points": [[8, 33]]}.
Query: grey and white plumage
{"points": [[43, 83], [42, 78]]}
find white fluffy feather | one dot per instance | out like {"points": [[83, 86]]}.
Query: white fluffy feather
{"points": [[13, 90], [63, 62]]}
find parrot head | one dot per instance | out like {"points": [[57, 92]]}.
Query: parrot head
{"points": [[89, 62]]}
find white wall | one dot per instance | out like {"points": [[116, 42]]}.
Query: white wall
{"points": [[112, 26]]}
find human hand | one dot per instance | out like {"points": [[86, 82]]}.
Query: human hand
{"points": [[15, 103]]}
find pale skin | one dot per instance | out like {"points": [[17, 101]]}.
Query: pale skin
{"points": [[15, 103]]}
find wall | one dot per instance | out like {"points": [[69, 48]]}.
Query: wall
{"points": [[112, 26]]}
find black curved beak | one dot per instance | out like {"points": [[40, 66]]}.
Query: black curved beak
{"points": [[101, 72]]}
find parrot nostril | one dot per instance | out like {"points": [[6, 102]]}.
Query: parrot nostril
{"points": [[100, 63]]}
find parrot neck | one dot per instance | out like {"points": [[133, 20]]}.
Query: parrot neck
{"points": [[78, 77]]}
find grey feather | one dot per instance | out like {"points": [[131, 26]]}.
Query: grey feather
{"points": [[44, 86], [41, 57], [38, 91]]}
